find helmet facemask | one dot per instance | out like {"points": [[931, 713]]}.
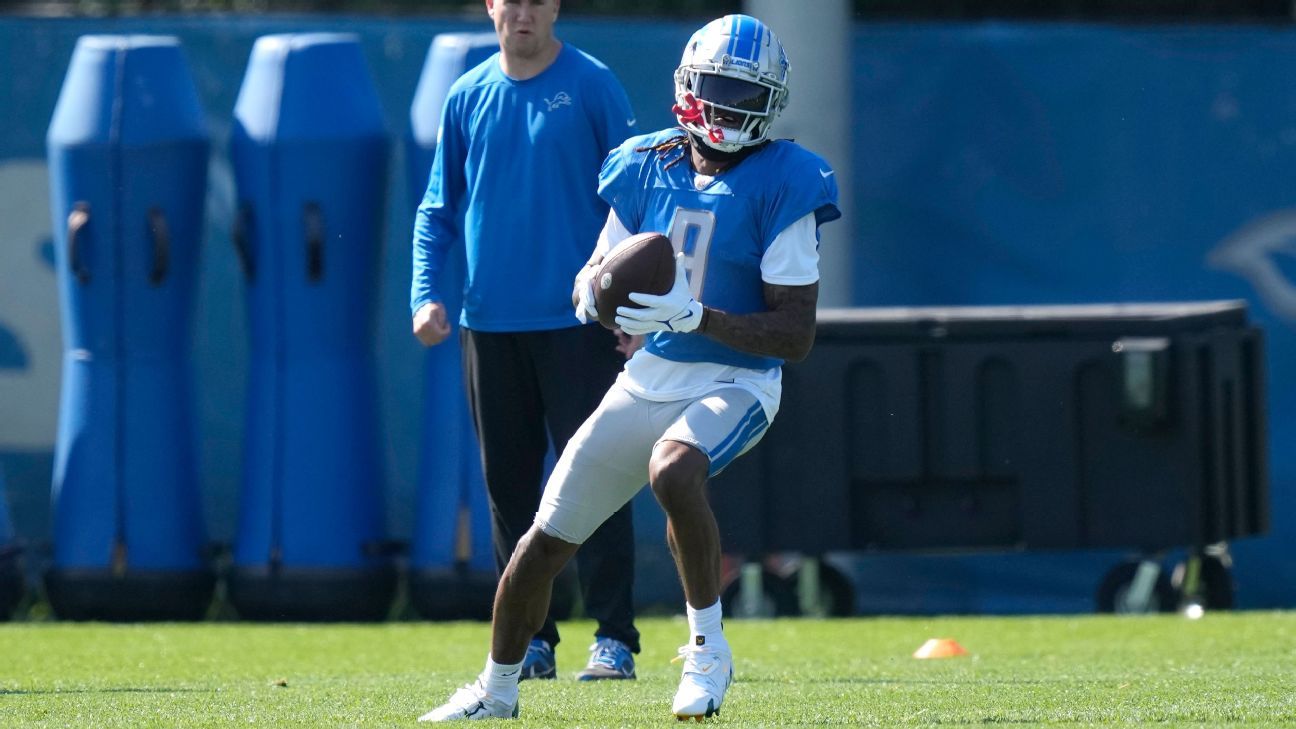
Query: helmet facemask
{"points": [[726, 112]]}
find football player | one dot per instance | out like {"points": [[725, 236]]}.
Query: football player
{"points": [[743, 212]]}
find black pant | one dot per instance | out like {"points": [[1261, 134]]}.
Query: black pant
{"points": [[523, 389]]}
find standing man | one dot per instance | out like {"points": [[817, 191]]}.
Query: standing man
{"points": [[743, 213], [518, 153]]}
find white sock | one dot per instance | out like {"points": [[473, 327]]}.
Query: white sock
{"points": [[501, 679], [705, 626]]}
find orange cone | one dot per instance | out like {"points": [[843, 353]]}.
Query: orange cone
{"points": [[940, 648]]}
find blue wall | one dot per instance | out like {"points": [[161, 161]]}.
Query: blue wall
{"points": [[1009, 164], [994, 164]]}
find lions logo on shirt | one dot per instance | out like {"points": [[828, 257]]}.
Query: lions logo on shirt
{"points": [[562, 98]]}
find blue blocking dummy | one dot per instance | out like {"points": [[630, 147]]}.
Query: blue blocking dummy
{"points": [[128, 155], [309, 151], [452, 563], [11, 582]]}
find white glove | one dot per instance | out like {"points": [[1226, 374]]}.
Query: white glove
{"points": [[586, 311], [674, 311]]}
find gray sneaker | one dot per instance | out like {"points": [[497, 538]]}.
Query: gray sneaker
{"points": [[539, 661], [609, 659]]}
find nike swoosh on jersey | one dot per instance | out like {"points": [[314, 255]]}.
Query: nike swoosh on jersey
{"points": [[826, 173], [630, 122]]}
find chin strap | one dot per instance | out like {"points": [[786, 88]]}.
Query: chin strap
{"points": [[691, 113]]}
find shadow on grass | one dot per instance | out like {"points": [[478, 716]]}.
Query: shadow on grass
{"points": [[117, 690], [941, 681]]}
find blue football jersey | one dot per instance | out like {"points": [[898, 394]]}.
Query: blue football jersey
{"points": [[723, 224]]}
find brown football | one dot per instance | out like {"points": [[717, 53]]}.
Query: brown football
{"points": [[643, 263]]}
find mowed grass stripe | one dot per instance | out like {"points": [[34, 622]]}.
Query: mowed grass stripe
{"points": [[1227, 668]]}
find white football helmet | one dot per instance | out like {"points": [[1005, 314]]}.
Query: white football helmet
{"points": [[731, 83]]}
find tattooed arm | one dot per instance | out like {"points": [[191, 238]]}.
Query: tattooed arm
{"points": [[786, 330]]}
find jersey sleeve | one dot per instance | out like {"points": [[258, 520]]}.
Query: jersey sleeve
{"points": [[436, 223], [620, 186], [809, 186], [609, 110]]}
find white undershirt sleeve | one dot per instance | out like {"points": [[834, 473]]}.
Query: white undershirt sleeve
{"points": [[793, 258], [614, 231]]}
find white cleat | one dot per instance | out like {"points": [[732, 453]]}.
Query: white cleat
{"points": [[708, 671], [472, 702]]}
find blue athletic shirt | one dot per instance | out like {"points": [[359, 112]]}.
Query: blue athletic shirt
{"points": [[516, 165], [724, 225]]}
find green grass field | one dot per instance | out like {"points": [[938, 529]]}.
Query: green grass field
{"points": [[1223, 669]]}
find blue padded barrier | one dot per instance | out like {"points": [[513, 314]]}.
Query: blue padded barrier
{"points": [[11, 581], [128, 154], [309, 151]]}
